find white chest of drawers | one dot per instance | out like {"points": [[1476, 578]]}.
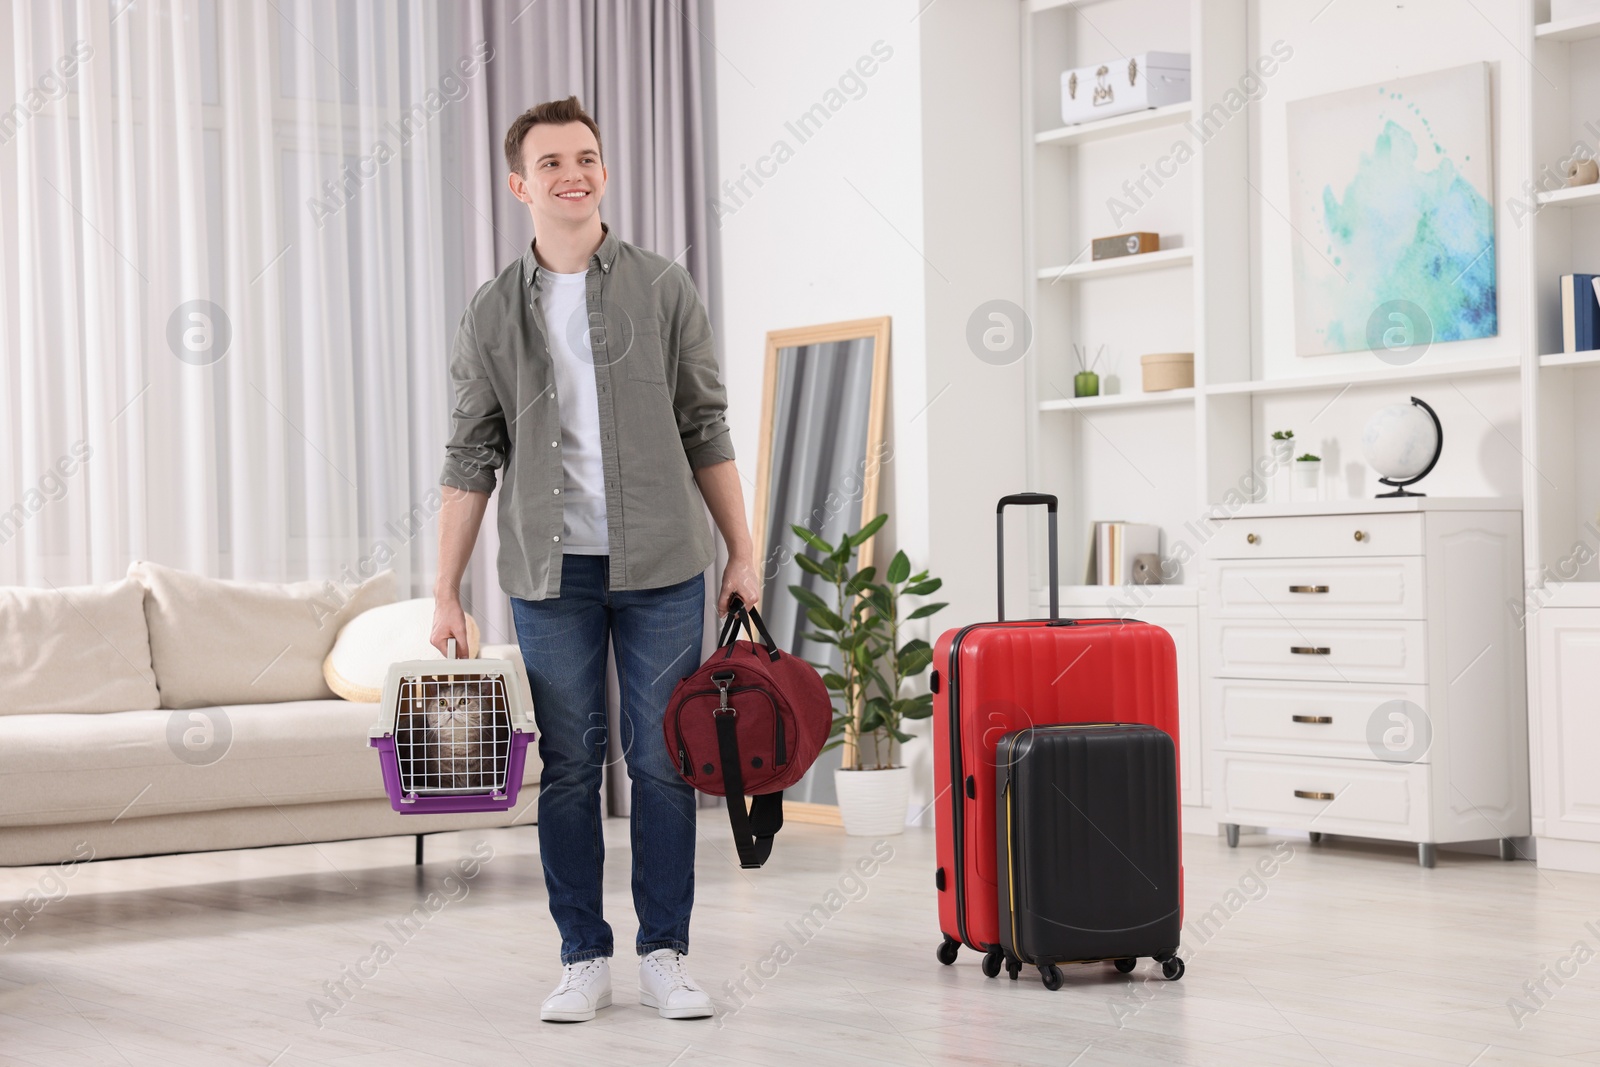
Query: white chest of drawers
{"points": [[1364, 670]]}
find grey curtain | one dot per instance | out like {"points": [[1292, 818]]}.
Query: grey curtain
{"points": [[819, 447], [636, 66]]}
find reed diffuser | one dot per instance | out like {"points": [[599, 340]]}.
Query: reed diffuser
{"points": [[1086, 382]]}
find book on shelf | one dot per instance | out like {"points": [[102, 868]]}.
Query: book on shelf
{"points": [[1580, 312], [1112, 548]]}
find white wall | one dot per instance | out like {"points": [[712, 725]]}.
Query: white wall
{"points": [[833, 233], [905, 203], [1354, 43]]}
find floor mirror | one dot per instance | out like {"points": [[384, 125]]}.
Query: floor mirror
{"points": [[822, 448]]}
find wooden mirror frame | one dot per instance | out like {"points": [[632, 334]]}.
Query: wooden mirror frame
{"points": [[852, 330]]}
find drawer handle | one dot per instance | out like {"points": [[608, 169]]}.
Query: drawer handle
{"points": [[1361, 535], [1308, 589], [1311, 794], [1319, 719], [1309, 650], [1252, 539]]}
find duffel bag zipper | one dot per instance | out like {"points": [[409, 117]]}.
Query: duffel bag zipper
{"points": [[779, 739]]}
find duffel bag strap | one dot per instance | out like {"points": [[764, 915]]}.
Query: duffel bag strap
{"points": [[753, 830], [750, 619]]}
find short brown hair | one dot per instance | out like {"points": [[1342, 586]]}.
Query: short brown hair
{"points": [[554, 112]]}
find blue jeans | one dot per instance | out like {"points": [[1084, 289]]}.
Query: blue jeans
{"points": [[656, 634]]}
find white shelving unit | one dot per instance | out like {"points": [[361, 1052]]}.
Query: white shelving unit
{"points": [[1561, 398], [1128, 454], [1171, 459]]}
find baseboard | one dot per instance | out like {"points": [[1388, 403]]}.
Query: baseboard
{"points": [[816, 814], [1565, 854]]}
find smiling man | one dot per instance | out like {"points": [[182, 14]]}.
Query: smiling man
{"points": [[585, 370]]}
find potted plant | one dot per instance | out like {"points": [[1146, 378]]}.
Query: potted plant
{"points": [[873, 670], [1282, 447], [1308, 473]]}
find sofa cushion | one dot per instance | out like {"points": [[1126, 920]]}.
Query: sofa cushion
{"points": [[74, 649], [215, 642], [370, 642], [89, 768]]}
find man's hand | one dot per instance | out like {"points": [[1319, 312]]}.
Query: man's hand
{"points": [[449, 621], [739, 576]]}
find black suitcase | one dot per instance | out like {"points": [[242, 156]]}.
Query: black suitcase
{"points": [[1088, 849]]}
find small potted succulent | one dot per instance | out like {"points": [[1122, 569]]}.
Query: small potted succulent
{"points": [[1282, 447], [872, 671], [1308, 473]]}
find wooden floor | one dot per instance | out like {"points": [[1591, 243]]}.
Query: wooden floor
{"points": [[1348, 953]]}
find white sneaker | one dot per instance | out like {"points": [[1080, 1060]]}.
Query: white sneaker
{"points": [[585, 988], [664, 986]]}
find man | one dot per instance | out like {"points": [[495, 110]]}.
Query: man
{"points": [[586, 371]]}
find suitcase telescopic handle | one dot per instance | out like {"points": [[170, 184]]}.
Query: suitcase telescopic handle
{"points": [[1024, 500]]}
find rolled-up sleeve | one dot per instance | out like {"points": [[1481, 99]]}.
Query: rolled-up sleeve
{"points": [[700, 398], [478, 437]]}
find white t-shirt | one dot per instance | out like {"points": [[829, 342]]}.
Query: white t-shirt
{"points": [[583, 490]]}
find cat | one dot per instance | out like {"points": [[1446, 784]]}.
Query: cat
{"points": [[449, 740]]}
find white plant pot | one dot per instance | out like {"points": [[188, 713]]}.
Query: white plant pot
{"points": [[873, 803], [1279, 477], [1308, 476]]}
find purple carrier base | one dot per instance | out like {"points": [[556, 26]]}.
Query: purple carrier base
{"points": [[419, 805]]}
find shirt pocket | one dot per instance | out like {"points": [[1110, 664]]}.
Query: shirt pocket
{"points": [[645, 359]]}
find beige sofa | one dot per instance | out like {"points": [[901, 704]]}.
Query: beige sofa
{"points": [[83, 781]]}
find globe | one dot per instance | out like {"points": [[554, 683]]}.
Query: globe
{"points": [[1400, 441]]}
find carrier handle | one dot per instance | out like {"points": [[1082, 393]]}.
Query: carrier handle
{"points": [[1025, 500]]}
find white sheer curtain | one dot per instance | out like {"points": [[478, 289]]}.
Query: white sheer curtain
{"points": [[223, 286]]}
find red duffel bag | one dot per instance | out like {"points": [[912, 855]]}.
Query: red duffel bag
{"points": [[749, 722]]}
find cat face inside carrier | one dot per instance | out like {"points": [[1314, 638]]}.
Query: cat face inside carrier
{"points": [[453, 736]]}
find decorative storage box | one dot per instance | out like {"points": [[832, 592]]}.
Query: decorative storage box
{"points": [[452, 735], [1133, 83], [1167, 370]]}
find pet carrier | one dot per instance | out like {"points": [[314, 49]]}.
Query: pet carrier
{"points": [[452, 735]]}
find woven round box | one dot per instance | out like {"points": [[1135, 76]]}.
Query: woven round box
{"points": [[1167, 370]]}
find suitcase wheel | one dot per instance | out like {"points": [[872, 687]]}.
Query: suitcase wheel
{"points": [[1013, 967], [947, 950], [1050, 974], [1172, 969], [992, 960], [1127, 964]]}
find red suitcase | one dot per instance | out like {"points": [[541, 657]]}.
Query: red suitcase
{"points": [[994, 677]]}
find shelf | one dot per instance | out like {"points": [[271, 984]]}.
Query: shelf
{"points": [[1119, 400], [1389, 375], [1105, 268], [1577, 29], [1576, 196], [1367, 506], [1571, 359], [1036, 6], [1132, 122]]}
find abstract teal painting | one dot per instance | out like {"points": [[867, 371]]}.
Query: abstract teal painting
{"points": [[1393, 201]]}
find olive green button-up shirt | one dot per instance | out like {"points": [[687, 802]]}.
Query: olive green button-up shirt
{"points": [[662, 408]]}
